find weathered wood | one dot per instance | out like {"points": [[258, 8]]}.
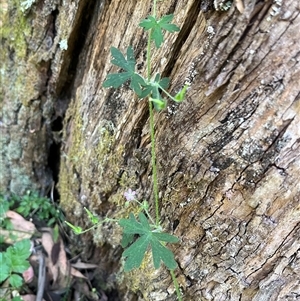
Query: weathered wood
{"points": [[34, 85], [228, 157]]}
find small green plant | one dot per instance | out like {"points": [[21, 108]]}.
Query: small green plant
{"points": [[42, 208], [13, 262], [94, 220], [5, 204], [143, 233]]}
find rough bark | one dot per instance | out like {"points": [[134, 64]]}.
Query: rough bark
{"points": [[36, 77], [228, 157]]}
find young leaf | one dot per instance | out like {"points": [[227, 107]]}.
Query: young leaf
{"points": [[126, 239], [135, 253], [156, 27], [128, 65], [76, 229], [147, 238], [153, 89], [160, 252], [94, 219], [15, 280], [181, 94], [4, 270], [158, 103], [132, 226], [166, 237], [16, 256]]}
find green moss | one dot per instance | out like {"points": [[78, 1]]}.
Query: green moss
{"points": [[19, 76], [15, 28], [138, 280], [71, 161]]}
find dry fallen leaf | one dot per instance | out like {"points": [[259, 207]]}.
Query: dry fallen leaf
{"points": [[21, 228], [76, 273], [62, 260], [28, 275], [47, 242], [14, 215]]}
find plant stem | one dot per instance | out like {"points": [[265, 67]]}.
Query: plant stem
{"points": [[148, 214], [149, 56], [167, 93], [154, 8], [176, 285], [153, 163], [153, 153]]}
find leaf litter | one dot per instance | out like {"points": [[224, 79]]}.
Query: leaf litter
{"points": [[50, 274]]}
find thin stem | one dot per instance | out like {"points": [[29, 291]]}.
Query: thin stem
{"points": [[148, 214], [149, 56], [154, 8], [168, 94], [153, 153], [153, 163], [176, 285]]}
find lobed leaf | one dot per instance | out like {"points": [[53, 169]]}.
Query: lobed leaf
{"points": [[126, 239], [166, 237], [156, 27], [135, 253], [4, 270], [132, 226], [115, 80], [15, 280], [147, 238], [161, 253]]}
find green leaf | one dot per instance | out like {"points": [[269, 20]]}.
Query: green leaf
{"points": [[160, 252], [4, 270], [126, 239], [22, 248], [4, 206], [179, 97], [137, 82], [164, 82], [164, 23], [94, 219], [51, 221], [55, 234], [153, 89], [76, 229], [135, 253], [16, 256], [15, 280], [128, 65], [158, 103], [156, 27], [115, 80], [166, 237], [17, 265], [132, 226]]}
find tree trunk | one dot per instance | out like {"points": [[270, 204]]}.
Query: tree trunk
{"points": [[228, 157]]}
